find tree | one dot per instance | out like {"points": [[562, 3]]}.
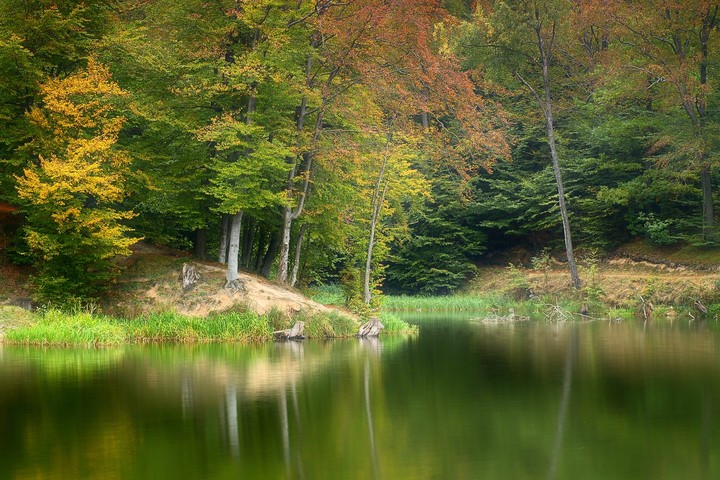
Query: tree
{"points": [[666, 48], [527, 35], [38, 39], [71, 193]]}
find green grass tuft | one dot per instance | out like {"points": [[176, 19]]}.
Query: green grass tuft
{"points": [[324, 325], [54, 327], [394, 325]]}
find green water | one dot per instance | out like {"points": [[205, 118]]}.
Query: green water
{"points": [[463, 400]]}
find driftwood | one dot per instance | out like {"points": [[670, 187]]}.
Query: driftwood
{"points": [[297, 332], [646, 308], [371, 328], [698, 304], [189, 276]]}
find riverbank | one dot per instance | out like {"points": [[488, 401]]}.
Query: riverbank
{"points": [[84, 328], [150, 304]]}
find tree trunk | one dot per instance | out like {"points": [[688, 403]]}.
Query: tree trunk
{"points": [[231, 277], [201, 244], [545, 52], [288, 214], [377, 204], [367, 293], [225, 227], [298, 249], [270, 256], [285, 245]]}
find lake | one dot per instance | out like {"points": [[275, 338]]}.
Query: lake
{"points": [[461, 400]]}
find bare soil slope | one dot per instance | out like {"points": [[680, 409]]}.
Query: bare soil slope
{"points": [[153, 281]]}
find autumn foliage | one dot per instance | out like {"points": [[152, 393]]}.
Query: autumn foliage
{"points": [[73, 190]]}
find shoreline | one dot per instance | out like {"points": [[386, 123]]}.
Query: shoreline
{"points": [[81, 328]]}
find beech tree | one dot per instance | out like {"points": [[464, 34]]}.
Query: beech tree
{"points": [[72, 191]]}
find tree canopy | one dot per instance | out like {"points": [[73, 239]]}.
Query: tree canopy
{"points": [[383, 144]]}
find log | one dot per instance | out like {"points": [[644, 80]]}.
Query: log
{"points": [[297, 332], [371, 328], [189, 276]]}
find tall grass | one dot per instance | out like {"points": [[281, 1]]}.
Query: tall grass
{"points": [[328, 325], [57, 328], [171, 327], [54, 327], [394, 325], [456, 303]]}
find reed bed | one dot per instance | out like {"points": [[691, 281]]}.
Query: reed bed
{"points": [[57, 328], [455, 303]]}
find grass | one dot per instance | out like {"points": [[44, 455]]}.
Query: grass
{"points": [[394, 325], [54, 327], [457, 303], [323, 325], [171, 327], [57, 328]]}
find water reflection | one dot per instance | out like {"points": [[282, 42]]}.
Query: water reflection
{"points": [[564, 402], [595, 400]]}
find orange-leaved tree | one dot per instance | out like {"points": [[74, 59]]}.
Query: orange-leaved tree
{"points": [[72, 192], [430, 107]]}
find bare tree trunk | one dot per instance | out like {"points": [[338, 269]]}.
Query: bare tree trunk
{"points": [[285, 245], [298, 249], [546, 106], [231, 277], [290, 214], [377, 204], [225, 227]]}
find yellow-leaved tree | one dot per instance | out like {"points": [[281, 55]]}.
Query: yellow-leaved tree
{"points": [[73, 190]]}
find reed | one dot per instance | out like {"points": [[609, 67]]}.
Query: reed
{"points": [[456, 303], [394, 325]]}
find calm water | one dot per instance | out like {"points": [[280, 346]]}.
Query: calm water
{"points": [[460, 401]]}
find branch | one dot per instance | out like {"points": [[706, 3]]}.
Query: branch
{"points": [[534, 92]]}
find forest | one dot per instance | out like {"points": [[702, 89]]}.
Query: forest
{"points": [[384, 145]]}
